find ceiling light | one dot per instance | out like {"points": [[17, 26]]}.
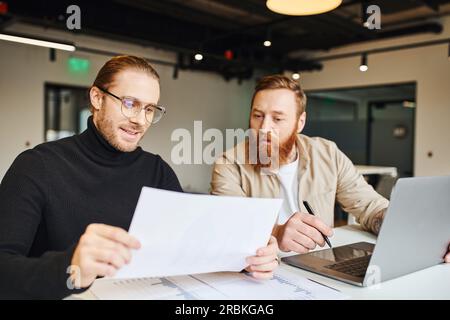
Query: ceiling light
{"points": [[296, 76], [198, 57], [302, 7], [36, 42], [363, 66], [268, 40]]}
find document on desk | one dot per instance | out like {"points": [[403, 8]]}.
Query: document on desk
{"points": [[185, 234], [285, 285]]}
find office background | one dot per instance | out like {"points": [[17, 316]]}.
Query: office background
{"points": [[419, 76]]}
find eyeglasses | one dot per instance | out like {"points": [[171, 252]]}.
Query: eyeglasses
{"points": [[131, 107]]}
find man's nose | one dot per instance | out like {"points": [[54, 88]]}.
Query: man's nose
{"points": [[266, 124]]}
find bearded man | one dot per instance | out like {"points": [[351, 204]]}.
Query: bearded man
{"points": [[296, 168]]}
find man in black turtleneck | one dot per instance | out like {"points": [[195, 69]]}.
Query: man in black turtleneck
{"points": [[65, 206], [53, 192]]}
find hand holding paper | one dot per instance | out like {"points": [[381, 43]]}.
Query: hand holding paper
{"points": [[262, 265], [190, 234]]}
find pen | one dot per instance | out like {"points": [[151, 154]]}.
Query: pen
{"points": [[311, 212]]}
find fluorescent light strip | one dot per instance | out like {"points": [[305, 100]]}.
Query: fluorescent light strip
{"points": [[35, 42]]}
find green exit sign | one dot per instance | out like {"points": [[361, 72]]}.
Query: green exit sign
{"points": [[78, 65]]}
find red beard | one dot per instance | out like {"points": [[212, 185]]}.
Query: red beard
{"points": [[265, 158]]}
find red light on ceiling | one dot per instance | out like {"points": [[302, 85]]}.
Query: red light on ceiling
{"points": [[3, 7], [228, 54]]}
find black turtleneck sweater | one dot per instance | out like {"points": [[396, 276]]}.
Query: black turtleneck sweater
{"points": [[49, 196]]}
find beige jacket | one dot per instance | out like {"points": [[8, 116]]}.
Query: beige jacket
{"points": [[325, 175]]}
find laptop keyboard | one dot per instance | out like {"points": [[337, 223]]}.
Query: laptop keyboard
{"points": [[356, 267]]}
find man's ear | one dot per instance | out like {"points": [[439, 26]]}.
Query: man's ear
{"points": [[301, 122], [96, 97]]}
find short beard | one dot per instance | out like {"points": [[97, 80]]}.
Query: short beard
{"points": [[106, 128]]}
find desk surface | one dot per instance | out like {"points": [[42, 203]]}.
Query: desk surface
{"points": [[431, 283], [389, 171]]}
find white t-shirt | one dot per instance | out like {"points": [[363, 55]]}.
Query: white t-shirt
{"points": [[287, 175]]}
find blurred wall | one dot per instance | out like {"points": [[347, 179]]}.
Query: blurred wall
{"points": [[429, 67]]}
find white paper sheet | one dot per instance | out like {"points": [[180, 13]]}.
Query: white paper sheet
{"points": [[189, 234], [286, 285]]}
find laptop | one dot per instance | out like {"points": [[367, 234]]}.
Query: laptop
{"points": [[415, 235]]}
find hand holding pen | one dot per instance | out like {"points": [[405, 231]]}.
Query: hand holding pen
{"points": [[311, 212], [302, 233]]}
